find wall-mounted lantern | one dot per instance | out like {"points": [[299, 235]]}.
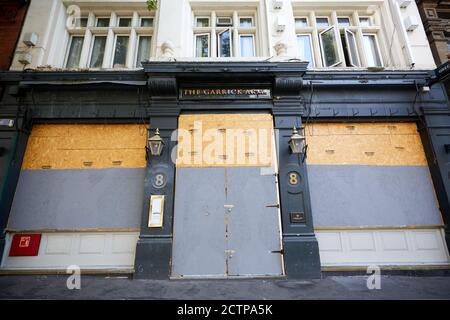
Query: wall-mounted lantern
{"points": [[154, 145], [297, 142]]}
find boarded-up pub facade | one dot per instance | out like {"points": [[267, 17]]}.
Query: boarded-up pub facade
{"points": [[186, 168]]}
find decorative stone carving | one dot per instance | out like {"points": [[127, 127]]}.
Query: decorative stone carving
{"points": [[280, 49], [167, 49]]}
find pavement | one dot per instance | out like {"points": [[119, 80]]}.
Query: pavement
{"points": [[342, 287]]}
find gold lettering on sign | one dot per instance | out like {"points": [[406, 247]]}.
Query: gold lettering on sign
{"points": [[252, 93]]}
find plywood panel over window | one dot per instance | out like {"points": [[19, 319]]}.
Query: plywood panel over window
{"points": [[86, 146]]}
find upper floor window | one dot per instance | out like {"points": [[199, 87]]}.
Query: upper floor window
{"points": [[218, 34], [338, 39], [110, 41]]}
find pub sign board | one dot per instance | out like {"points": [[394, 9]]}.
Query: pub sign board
{"points": [[225, 93]]}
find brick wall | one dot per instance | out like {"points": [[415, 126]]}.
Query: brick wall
{"points": [[12, 15]]}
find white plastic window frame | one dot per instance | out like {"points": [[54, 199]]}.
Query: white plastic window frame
{"points": [[380, 56], [124, 17], [245, 17], [209, 43], [349, 52], [253, 41], [91, 49], [313, 62], [345, 17], [230, 30], [102, 17], [323, 27], [136, 51], [337, 40], [113, 54], [202, 17], [66, 58], [146, 17], [302, 17]]}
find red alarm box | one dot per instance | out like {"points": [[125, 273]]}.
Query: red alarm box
{"points": [[25, 245]]}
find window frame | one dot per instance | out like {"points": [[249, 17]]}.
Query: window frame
{"points": [[136, 51], [365, 17], [113, 54], [124, 17], [92, 49], [246, 17], [301, 17], [346, 31], [322, 51], [344, 17], [323, 17], [102, 17], [66, 58], [202, 17], [219, 47], [375, 36], [313, 62], [209, 43], [253, 41]]}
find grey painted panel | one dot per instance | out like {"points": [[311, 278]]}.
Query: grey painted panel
{"points": [[78, 199], [199, 225], [252, 226], [362, 195]]}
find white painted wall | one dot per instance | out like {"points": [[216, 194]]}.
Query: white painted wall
{"points": [[174, 21]]}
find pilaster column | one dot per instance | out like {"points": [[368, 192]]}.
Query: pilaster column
{"points": [[154, 247], [301, 250]]}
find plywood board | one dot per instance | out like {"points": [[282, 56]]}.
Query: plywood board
{"points": [[215, 140], [58, 146], [396, 144]]}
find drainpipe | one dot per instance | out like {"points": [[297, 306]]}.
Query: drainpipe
{"points": [[398, 20]]}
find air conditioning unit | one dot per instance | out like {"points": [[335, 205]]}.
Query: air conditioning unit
{"points": [[277, 4], [224, 21], [404, 3], [280, 24], [30, 39], [411, 23]]}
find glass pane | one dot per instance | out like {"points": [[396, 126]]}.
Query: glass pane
{"points": [[98, 51], [73, 59], [147, 22], [304, 48], [124, 22], [364, 22], [301, 22], [120, 52], [371, 49], [202, 22], [352, 50], [322, 22], [81, 22], [329, 47], [225, 44], [247, 46], [103, 22], [143, 50], [344, 22], [202, 46], [246, 22]]}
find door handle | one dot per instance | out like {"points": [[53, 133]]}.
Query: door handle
{"points": [[278, 251], [273, 205]]}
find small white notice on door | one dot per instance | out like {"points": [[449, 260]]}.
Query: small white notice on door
{"points": [[156, 211]]}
